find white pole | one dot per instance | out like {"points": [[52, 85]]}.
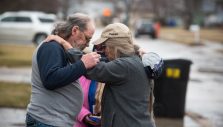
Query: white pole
{"points": [[197, 37]]}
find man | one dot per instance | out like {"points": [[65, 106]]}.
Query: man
{"points": [[56, 96]]}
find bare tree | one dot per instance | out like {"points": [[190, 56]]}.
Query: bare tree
{"points": [[193, 7], [34, 5]]}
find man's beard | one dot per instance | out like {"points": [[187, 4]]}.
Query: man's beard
{"points": [[80, 47]]}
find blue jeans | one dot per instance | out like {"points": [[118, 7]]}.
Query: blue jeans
{"points": [[31, 122]]}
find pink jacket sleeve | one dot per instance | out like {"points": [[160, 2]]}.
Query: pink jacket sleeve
{"points": [[85, 84], [82, 114]]}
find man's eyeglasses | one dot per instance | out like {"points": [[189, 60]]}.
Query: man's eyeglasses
{"points": [[87, 38]]}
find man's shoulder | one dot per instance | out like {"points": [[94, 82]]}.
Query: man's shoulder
{"points": [[48, 46], [51, 44], [51, 47]]}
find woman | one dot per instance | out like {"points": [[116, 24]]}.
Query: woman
{"points": [[125, 100]]}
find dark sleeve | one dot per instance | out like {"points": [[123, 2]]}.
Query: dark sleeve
{"points": [[114, 71], [74, 54], [55, 72]]}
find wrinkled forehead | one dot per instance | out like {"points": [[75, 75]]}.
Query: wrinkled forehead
{"points": [[90, 28]]}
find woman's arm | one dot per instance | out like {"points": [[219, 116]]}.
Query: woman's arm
{"points": [[60, 40], [72, 53], [139, 51], [83, 113]]}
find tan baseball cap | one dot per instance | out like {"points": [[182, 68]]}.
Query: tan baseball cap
{"points": [[114, 30]]}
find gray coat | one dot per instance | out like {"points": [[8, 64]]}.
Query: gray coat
{"points": [[125, 100]]}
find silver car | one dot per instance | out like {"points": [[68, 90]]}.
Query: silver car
{"points": [[25, 26]]}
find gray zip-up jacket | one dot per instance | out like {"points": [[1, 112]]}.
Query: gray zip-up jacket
{"points": [[125, 101]]}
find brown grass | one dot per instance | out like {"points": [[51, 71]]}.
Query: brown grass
{"points": [[184, 36], [15, 55], [14, 95], [212, 34]]}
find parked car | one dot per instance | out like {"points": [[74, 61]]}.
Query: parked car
{"points": [[145, 27], [25, 26]]}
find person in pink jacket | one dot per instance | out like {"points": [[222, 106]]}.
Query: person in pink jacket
{"points": [[90, 111], [85, 84], [89, 115]]}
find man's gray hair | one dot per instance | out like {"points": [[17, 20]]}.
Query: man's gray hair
{"points": [[64, 29]]}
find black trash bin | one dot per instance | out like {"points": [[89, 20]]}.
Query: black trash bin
{"points": [[170, 89]]}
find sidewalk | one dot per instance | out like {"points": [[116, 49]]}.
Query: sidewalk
{"points": [[12, 117], [15, 74], [16, 118]]}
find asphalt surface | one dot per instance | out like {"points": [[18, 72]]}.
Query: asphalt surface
{"points": [[204, 97]]}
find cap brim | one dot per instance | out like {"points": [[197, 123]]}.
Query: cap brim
{"points": [[99, 41]]}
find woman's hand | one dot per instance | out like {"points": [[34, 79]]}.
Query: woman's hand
{"points": [[60, 40], [55, 38], [141, 52], [92, 120]]}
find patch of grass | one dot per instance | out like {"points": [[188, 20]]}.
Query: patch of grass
{"points": [[184, 36], [212, 34], [16, 55], [14, 95]]}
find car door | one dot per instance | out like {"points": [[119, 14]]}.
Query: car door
{"points": [[6, 27], [23, 28], [16, 28]]}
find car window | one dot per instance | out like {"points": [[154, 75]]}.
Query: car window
{"points": [[23, 19], [8, 19], [46, 20]]}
